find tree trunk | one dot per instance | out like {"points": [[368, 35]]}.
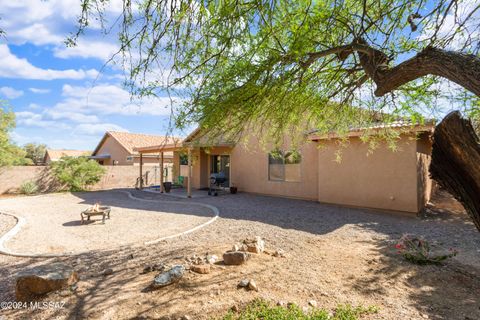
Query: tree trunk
{"points": [[455, 162]]}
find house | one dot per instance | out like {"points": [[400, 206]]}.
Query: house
{"points": [[385, 179], [118, 148], [55, 155]]}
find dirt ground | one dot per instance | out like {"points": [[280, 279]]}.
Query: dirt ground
{"points": [[334, 255], [54, 224]]}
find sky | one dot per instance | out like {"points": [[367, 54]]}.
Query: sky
{"points": [[58, 93]]}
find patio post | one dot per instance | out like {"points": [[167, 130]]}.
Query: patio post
{"points": [[141, 167], [161, 172], [189, 181]]}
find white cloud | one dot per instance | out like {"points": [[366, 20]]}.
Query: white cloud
{"points": [[39, 91], [10, 93], [14, 67], [31, 119], [110, 99], [97, 129], [102, 50], [72, 116], [51, 22]]}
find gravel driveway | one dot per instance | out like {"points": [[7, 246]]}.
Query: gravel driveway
{"points": [[334, 255]]}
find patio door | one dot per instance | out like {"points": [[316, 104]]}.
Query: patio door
{"points": [[221, 164]]}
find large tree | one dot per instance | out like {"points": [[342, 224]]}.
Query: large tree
{"points": [[10, 153], [292, 65], [35, 152]]}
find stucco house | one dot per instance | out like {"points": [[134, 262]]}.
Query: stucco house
{"points": [[385, 179], [55, 155], [118, 148]]}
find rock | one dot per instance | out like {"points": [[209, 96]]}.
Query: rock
{"points": [[279, 253], [235, 308], [212, 259], [44, 279], [256, 245], [243, 283], [235, 257], [169, 277], [312, 303], [201, 268], [281, 303], [186, 317], [252, 285], [107, 272], [130, 256], [235, 247]]}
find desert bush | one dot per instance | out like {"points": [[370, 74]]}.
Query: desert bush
{"points": [[28, 187], [261, 309], [418, 250], [77, 174]]}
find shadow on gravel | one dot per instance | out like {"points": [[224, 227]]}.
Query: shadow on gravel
{"points": [[439, 292]]}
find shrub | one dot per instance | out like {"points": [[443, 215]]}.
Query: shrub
{"points": [[261, 309], [28, 187], [77, 174], [418, 250]]}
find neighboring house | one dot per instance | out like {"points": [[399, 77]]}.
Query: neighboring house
{"points": [[55, 155], [384, 179], [118, 148]]}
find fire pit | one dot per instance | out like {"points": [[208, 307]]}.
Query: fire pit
{"points": [[96, 210]]}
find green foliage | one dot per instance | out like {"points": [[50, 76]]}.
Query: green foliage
{"points": [[261, 309], [419, 251], [10, 154], [35, 152], [29, 187], [278, 67], [77, 173]]}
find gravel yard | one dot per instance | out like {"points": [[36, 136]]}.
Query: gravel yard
{"points": [[334, 255]]}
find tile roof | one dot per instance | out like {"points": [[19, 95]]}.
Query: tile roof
{"points": [[57, 154], [130, 141]]}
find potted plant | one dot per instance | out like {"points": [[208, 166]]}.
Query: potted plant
{"points": [[233, 189], [167, 186]]}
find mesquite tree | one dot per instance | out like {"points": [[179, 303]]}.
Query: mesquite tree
{"points": [[283, 66]]}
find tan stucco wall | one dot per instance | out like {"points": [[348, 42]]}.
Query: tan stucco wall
{"points": [[383, 179], [11, 178], [249, 172]]}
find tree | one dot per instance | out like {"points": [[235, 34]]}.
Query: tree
{"points": [[77, 173], [291, 65], [10, 154], [35, 152]]}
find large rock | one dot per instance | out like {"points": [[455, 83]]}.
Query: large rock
{"points": [[167, 278], [41, 280], [256, 245], [235, 257]]}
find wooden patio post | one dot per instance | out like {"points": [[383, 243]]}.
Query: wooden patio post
{"points": [[141, 174], [161, 173], [189, 181]]}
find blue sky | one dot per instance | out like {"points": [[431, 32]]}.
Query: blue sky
{"points": [[57, 93]]}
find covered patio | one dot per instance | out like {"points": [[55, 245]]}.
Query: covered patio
{"points": [[194, 161]]}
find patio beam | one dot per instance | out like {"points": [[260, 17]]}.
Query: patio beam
{"points": [[141, 173]]}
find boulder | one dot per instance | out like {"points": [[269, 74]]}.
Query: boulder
{"points": [[41, 280], [256, 245], [169, 277], [235, 257], [201, 268]]}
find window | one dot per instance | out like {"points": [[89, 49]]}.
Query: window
{"points": [[284, 165], [129, 158], [183, 159]]}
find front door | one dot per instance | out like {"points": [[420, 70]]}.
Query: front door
{"points": [[221, 164]]}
